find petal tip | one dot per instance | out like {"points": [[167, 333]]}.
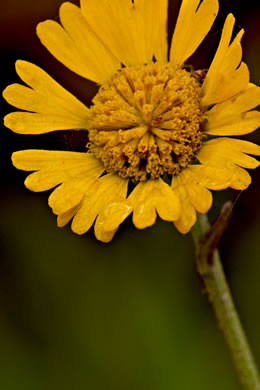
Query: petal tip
{"points": [[182, 228], [19, 64], [11, 122], [40, 28], [7, 120], [14, 158], [77, 230], [5, 93], [230, 18]]}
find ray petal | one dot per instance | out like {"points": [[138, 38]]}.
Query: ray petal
{"points": [[227, 75], [51, 106], [133, 32], [194, 22], [232, 117], [108, 189], [76, 46]]}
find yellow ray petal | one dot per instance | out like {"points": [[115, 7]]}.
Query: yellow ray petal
{"points": [[159, 44], [199, 196], [67, 196], [234, 144], [80, 192], [103, 235], [238, 125], [144, 213], [109, 189], [222, 86], [193, 24], [44, 84], [48, 178], [243, 146], [241, 180], [188, 214], [212, 177], [154, 14], [63, 219], [152, 196], [115, 28], [225, 152], [239, 104], [52, 107], [72, 191], [166, 203], [36, 159], [187, 219], [133, 32], [76, 46], [144, 201], [34, 123], [191, 188], [55, 167], [110, 218], [226, 76], [231, 117], [42, 180]]}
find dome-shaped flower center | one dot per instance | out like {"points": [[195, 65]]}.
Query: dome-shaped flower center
{"points": [[146, 121]]}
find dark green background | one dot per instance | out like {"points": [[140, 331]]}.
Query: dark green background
{"points": [[75, 313]]}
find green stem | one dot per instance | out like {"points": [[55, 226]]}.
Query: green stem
{"points": [[210, 268]]}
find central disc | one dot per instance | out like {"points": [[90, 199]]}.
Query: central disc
{"points": [[146, 121]]}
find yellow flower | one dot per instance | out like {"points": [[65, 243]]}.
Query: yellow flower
{"points": [[151, 131]]}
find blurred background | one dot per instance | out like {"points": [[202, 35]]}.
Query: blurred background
{"points": [[132, 314]]}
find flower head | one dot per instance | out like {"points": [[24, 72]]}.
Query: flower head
{"points": [[158, 135]]}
